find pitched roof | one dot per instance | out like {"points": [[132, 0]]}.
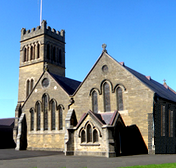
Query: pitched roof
{"points": [[103, 118], [7, 121], [69, 85], [159, 89]]}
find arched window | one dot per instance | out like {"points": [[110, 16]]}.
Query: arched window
{"points": [[60, 56], [83, 136], [60, 118], [54, 54], [45, 111], [27, 88], [94, 102], [24, 55], [38, 109], [89, 133], [38, 50], [95, 136], [27, 54], [32, 119], [119, 99], [48, 51], [32, 84], [31, 56], [53, 110], [106, 91]]}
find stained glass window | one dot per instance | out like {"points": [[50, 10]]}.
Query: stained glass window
{"points": [[163, 120], [53, 109], [45, 110], [38, 115], [32, 119], [106, 90], [89, 133], [170, 123], [95, 136], [94, 102], [83, 138], [119, 99], [60, 119]]}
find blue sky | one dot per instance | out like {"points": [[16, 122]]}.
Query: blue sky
{"points": [[141, 33]]}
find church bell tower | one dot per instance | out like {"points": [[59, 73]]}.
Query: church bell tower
{"points": [[39, 46]]}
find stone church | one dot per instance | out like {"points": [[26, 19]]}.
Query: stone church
{"points": [[114, 111]]}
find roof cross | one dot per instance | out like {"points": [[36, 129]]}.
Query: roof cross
{"points": [[164, 81]]}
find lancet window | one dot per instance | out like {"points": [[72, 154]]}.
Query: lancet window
{"points": [[119, 95], [53, 110], [60, 118], [89, 133], [83, 136], [29, 86], [94, 102], [106, 91], [163, 120], [45, 111], [32, 119], [38, 110], [95, 136]]}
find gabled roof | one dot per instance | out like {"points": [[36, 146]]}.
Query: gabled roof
{"points": [[7, 121], [103, 118], [69, 85], [159, 89]]}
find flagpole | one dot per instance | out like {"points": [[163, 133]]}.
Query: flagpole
{"points": [[40, 12]]}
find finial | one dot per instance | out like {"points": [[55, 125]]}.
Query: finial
{"points": [[164, 81], [45, 66], [104, 47]]}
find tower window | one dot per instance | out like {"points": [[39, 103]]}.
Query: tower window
{"points": [[60, 118], [60, 56], [48, 51], [106, 91], [119, 99], [38, 50], [32, 84], [94, 102], [24, 55], [54, 54], [27, 88]]}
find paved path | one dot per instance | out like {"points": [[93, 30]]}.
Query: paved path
{"points": [[9, 158]]}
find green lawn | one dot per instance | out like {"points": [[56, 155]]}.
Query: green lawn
{"points": [[166, 165]]}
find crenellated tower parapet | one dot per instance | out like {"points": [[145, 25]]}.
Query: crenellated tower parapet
{"points": [[41, 30]]}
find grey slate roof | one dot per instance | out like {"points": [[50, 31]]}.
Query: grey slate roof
{"points": [[7, 121], [159, 89], [69, 85]]}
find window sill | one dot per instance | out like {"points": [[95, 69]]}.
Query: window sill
{"points": [[89, 144]]}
